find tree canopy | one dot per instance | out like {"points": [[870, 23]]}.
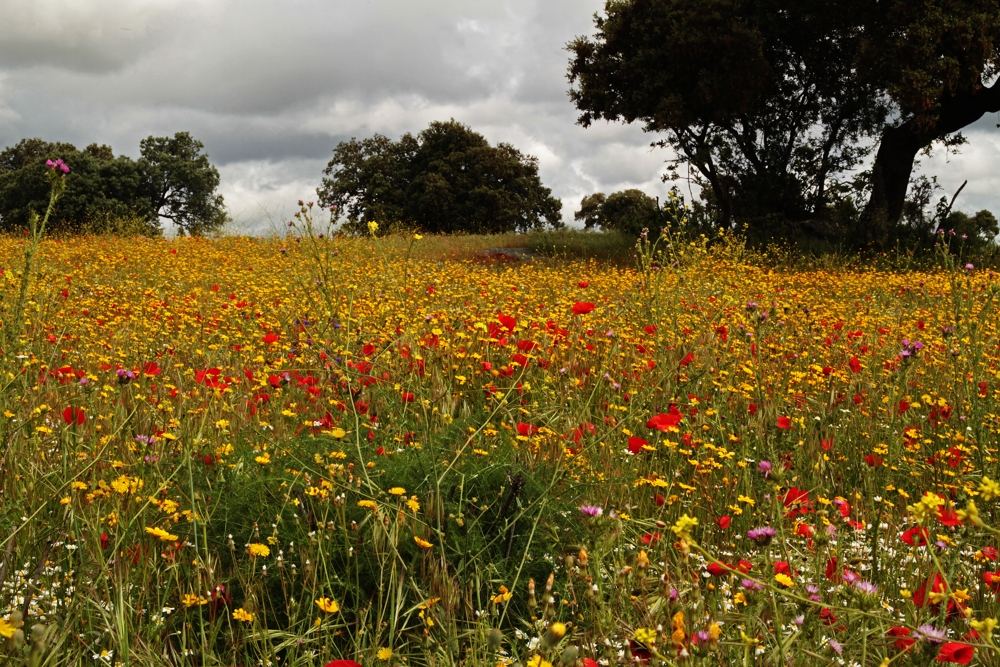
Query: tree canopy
{"points": [[628, 211], [773, 103], [446, 179], [171, 179]]}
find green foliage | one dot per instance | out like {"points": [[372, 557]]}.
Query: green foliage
{"points": [[109, 194], [446, 179], [758, 97], [628, 211], [772, 102]]}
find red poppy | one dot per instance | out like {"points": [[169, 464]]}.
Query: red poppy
{"points": [[782, 567], [948, 517], [407, 397], [983, 389], [526, 429], [582, 307], [342, 663], [955, 652], [723, 522], [905, 642], [796, 501], [992, 580], [665, 422], [660, 500], [507, 321], [916, 536], [855, 365], [635, 444], [583, 284], [938, 585], [831, 569], [73, 415], [990, 553], [270, 338], [527, 345], [784, 423], [843, 507], [717, 569], [151, 369], [872, 460], [688, 358], [590, 662], [804, 530], [105, 541], [744, 566], [651, 538]]}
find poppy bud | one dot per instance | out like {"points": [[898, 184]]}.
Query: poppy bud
{"points": [[570, 655], [494, 639]]}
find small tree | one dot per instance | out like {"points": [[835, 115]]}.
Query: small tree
{"points": [[628, 211], [447, 179], [180, 183]]}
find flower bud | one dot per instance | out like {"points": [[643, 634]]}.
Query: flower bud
{"points": [[494, 639]]}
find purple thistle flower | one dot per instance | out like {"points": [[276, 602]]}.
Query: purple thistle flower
{"points": [[865, 587], [764, 468], [762, 535], [751, 585], [592, 510], [929, 633], [835, 645]]}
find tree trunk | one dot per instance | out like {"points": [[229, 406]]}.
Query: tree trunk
{"points": [[899, 147]]}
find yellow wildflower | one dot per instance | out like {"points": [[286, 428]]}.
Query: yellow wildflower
{"points": [[161, 534], [503, 596], [328, 605], [682, 529], [645, 636], [243, 615], [989, 489], [257, 549]]}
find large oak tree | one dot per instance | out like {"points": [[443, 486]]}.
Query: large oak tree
{"points": [[768, 100]]}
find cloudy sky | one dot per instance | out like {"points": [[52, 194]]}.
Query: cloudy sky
{"points": [[271, 87]]}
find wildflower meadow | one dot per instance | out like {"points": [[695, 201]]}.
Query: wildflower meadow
{"points": [[313, 450]]}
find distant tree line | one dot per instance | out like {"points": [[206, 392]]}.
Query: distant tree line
{"points": [[172, 179]]}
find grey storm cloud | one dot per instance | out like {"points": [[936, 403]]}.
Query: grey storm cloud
{"points": [[271, 87]]}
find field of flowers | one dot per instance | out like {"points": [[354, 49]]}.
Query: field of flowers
{"points": [[311, 449]]}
